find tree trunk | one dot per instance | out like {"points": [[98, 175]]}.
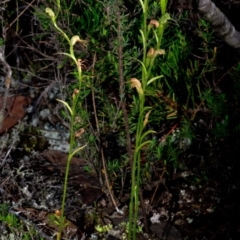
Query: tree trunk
{"points": [[220, 23]]}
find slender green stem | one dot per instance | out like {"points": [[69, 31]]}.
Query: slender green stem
{"points": [[67, 172]]}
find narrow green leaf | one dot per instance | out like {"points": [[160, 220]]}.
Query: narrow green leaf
{"points": [[77, 150], [144, 67], [143, 7], [66, 104], [153, 79], [142, 145], [145, 134]]}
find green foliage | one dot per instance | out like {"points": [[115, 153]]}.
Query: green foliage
{"points": [[15, 227], [113, 166], [215, 102], [206, 34], [45, 23], [164, 75], [2, 42], [9, 219], [177, 50], [166, 80], [221, 129]]}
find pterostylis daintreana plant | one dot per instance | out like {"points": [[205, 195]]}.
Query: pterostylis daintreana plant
{"points": [[71, 108], [153, 29]]}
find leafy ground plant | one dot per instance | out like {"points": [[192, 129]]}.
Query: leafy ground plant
{"points": [[15, 227]]}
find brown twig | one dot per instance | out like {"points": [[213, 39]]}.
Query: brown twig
{"points": [[101, 149], [16, 19], [108, 184], [8, 71], [93, 97]]}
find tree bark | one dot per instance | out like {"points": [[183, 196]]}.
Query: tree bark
{"points": [[221, 25]]}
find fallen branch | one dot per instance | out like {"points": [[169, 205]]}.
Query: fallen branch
{"points": [[221, 25]]}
